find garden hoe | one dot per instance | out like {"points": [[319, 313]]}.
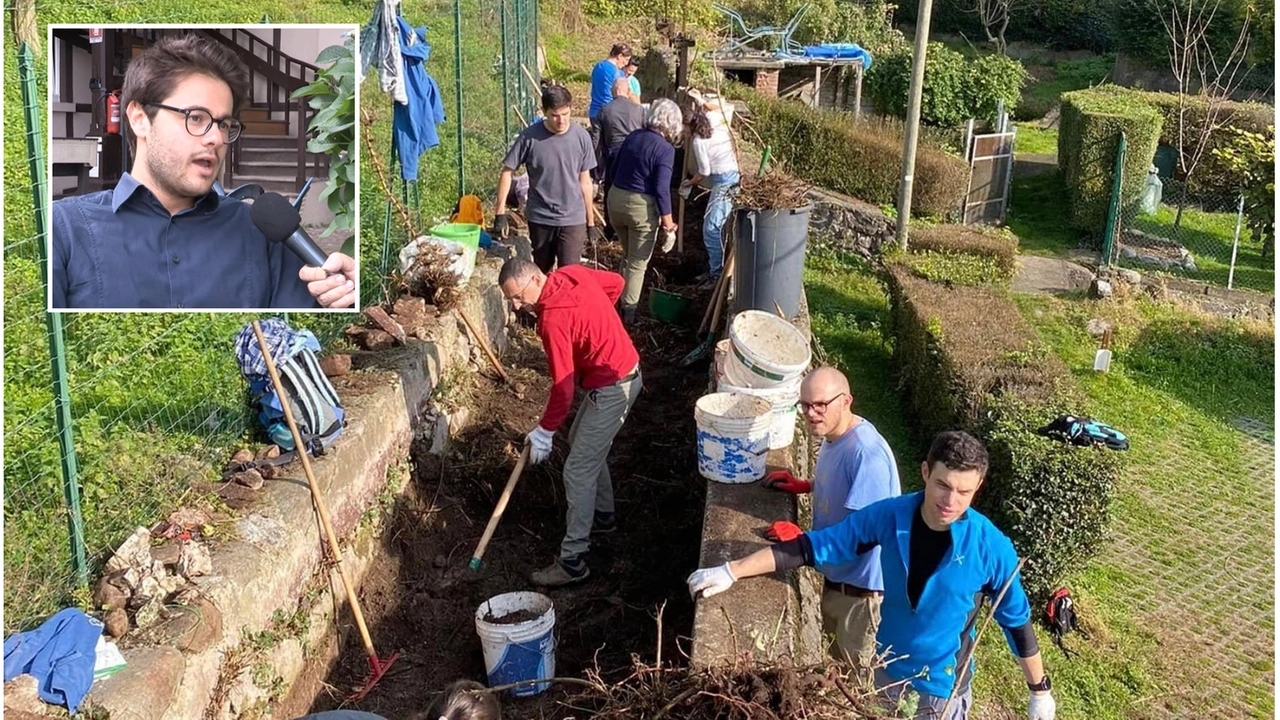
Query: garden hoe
{"points": [[377, 667], [498, 509]]}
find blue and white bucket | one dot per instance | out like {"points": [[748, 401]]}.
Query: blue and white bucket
{"points": [[518, 651], [733, 436]]}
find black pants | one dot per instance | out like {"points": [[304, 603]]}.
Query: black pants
{"points": [[552, 245], [597, 173]]}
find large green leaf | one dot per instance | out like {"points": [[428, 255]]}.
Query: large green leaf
{"points": [[332, 53]]}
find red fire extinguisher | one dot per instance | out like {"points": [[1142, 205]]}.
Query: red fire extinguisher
{"points": [[113, 113]]}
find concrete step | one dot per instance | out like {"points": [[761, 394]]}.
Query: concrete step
{"points": [[284, 185], [253, 140], [254, 114], [271, 154], [265, 127], [268, 168]]}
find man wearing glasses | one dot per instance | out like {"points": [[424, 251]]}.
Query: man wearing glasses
{"points": [[855, 468], [163, 238]]}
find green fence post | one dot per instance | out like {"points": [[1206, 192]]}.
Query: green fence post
{"points": [[1113, 212], [53, 321], [506, 81], [457, 82]]}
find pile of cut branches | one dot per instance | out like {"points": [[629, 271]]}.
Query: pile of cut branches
{"points": [[772, 191]]}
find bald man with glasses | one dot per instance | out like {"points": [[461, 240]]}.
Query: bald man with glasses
{"points": [[855, 468], [163, 238]]}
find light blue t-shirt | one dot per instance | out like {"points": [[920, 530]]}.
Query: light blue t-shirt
{"points": [[853, 472], [635, 86], [603, 76]]}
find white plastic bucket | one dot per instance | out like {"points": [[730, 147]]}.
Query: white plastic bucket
{"points": [[766, 351], [518, 651], [722, 358], [733, 436], [782, 400]]}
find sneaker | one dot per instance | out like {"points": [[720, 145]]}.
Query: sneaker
{"points": [[557, 574], [708, 282], [604, 523]]}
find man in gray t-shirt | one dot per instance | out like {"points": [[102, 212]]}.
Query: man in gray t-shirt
{"points": [[559, 157]]}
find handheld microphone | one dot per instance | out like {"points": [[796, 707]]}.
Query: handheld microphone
{"points": [[276, 218]]}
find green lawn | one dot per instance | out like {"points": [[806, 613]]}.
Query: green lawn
{"points": [[1034, 140], [1048, 82], [1179, 604], [1038, 216], [1209, 236]]}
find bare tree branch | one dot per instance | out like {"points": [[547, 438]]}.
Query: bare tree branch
{"points": [[994, 15]]}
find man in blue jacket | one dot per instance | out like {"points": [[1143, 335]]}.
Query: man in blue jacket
{"points": [[603, 76], [938, 558]]}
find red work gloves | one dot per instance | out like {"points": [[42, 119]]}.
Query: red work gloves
{"points": [[782, 531], [786, 482]]}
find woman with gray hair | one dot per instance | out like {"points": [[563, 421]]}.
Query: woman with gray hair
{"points": [[640, 198]]}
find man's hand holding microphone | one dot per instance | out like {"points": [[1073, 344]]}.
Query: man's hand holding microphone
{"points": [[331, 279]]}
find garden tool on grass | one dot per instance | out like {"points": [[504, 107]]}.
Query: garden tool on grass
{"points": [[498, 509], [377, 667]]}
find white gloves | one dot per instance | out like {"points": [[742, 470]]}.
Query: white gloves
{"points": [[1041, 706], [669, 241], [711, 581], [539, 444]]}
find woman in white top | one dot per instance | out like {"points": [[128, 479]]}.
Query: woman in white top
{"points": [[718, 171]]}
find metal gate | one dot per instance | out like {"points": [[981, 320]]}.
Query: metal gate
{"points": [[990, 175]]}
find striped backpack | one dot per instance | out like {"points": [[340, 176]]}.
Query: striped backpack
{"points": [[312, 398]]}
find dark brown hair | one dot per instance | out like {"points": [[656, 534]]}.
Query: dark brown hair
{"points": [[464, 700], [555, 97], [959, 451], [695, 116], [622, 49], [153, 75]]}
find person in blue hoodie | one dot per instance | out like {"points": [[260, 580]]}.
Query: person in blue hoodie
{"points": [[939, 558]]}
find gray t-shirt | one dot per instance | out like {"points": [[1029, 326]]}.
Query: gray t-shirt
{"points": [[617, 120], [555, 162]]}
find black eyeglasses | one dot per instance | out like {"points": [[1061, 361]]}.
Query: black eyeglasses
{"points": [[819, 405], [200, 121]]}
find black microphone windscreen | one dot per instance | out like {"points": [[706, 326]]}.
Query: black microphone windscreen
{"points": [[275, 217]]}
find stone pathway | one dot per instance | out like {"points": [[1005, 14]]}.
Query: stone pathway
{"points": [[1050, 275]]}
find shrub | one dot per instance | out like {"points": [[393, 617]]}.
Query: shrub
{"points": [[862, 159], [998, 249], [952, 268], [1248, 159], [1061, 24], [955, 89], [971, 362], [1088, 135]]}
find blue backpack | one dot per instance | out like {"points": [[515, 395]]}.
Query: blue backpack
{"points": [[1085, 431], [312, 398]]}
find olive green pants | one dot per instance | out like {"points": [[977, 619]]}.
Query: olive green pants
{"points": [[635, 219]]}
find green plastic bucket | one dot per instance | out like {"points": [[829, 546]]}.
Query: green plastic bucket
{"points": [[668, 306], [467, 234]]}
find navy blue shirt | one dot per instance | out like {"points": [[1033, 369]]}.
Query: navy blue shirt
{"points": [[643, 165], [121, 249]]}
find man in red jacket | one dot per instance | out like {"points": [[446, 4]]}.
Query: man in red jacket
{"points": [[585, 344]]}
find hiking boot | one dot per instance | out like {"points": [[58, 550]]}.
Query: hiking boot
{"points": [[628, 315], [708, 282], [604, 523], [558, 573]]}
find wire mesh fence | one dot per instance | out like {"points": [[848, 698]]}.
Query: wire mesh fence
{"points": [[1199, 233], [153, 403]]}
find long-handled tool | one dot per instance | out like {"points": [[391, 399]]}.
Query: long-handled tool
{"points": [[484, 345], [498, 509], [711, 319], [377, 667], [968, 656]]}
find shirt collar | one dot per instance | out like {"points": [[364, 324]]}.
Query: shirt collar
{"points": [[129, 185]]}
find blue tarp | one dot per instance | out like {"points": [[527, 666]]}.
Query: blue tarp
{"points": [[839, 51]]}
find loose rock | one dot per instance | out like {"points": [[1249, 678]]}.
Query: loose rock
{"points": [[108, 596], [116, 622], [251, 479], [269, 452], [378, 340], [242, 455], [335, 365]]}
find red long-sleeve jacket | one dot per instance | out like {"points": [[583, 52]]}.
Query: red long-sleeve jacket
{"points": [[583, 336]]}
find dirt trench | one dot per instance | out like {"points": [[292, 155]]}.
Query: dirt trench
{"points": [[420, 599]]}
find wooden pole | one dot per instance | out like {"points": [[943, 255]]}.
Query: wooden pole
{"points": [[499, 509]]}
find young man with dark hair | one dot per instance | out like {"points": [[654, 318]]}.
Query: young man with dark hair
{"points": [[939, 558], [163, 238], [559, 156], [586, 345]]}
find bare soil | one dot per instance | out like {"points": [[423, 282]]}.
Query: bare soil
{"points": [[419, 597]]}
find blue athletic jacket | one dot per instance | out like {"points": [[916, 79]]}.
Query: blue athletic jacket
{"points": [[926, 643]]}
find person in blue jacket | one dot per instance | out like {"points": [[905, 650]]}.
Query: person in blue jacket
{"points": [[603, 76], [939, 558]]}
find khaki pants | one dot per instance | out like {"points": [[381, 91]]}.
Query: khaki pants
{"points": [[635, 218], [853, 621], [588, 488], [903, 701]]}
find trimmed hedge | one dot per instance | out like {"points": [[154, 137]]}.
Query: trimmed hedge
{"points": [[862, 160], [1001, 246], [971, 362], [1088, 135]]}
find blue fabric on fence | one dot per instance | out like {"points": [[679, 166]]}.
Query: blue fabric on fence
{"points": [[60, 655], [413, 125]]}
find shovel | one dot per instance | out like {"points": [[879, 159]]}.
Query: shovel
{"points": [[1102, 358], [499, 509], [711, 319]]}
